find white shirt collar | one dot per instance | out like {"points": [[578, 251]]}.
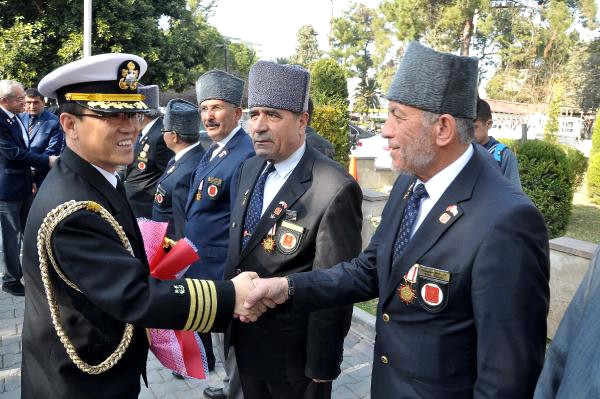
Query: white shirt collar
{"points": [[285, 167], [10, 114], [111, 177], [184, 151], [147, 128], [437, 185], [222, 143]]}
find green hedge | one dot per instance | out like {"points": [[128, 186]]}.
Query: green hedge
{"points": [[593, 178], [331, 121], [578, 164], [548, 179]]}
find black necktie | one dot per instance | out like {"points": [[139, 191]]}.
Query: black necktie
{"points": [[121, 188], [255, 206], [408, 220]]}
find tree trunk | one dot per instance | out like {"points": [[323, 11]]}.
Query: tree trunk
{"points": [[466, 36]]}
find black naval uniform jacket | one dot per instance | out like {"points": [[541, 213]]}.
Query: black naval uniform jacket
{"points": [[172, 190], [150, 159], [476, 327], [324, 202], [115, 288]]}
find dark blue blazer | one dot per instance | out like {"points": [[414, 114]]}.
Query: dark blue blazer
{"points": [[208, 206], [173, 186], [46, 137], [16, 161], [485, 334]]}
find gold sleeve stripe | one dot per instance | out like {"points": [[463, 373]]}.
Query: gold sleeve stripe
{"points": [[207, 299], [193, 304], [200, 309], [213, 304]]}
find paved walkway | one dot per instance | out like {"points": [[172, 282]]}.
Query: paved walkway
{"points": [[353, 383]]}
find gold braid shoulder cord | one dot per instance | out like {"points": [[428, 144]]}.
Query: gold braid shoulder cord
{"points": [[44, 246]]}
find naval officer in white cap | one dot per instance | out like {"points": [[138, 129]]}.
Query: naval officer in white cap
{"points": [[89, 282]]}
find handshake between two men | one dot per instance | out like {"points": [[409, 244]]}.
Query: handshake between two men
{"points": [[254, 295]]}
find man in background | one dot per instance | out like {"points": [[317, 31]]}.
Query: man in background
{"points": [[500, 152], [43, 128], [180, 133], [16, 182], [151, 156]]}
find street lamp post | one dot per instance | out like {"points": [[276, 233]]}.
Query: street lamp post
{"points": [[87, 28], [224, 45]]}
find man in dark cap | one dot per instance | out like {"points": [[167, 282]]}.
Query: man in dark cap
{"points": [[180, 132], [208, 204], [460, 259], [295, 211], [504, 157], [150, 157], [86, 273]]}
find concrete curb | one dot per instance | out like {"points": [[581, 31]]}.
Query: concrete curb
{"points": [[363, 323]]}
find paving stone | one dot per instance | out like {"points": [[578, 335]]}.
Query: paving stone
{"points": [[11, 394]]}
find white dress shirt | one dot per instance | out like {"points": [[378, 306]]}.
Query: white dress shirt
{"points": [[111, 177], [223, 142], [437, 185], [185, 150], [279, 176]]}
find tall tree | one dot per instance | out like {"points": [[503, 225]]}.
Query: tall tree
{"points": [[51, 35], [352, 38], [366, 97], [307, 49]]}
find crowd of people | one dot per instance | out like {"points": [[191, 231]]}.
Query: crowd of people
{"points": [[459, 263]]}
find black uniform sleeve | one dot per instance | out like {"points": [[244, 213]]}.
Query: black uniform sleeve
{"points": [[90, 254]]}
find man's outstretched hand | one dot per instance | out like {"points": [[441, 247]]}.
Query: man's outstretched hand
{"points": [[243, 284], [267, 293]]}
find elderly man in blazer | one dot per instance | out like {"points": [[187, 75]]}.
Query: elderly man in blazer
{"points": [[180, 133], [295, 211], [209, 201], [459, 262], [151, 156], [45, 134], [16, 183]]}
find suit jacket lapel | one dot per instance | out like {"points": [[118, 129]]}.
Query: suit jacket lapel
{"points": [[290, 192], [14, 127], [220, 157], [435, 225]]}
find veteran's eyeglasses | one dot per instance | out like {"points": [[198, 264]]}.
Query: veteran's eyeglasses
{"points": [[213, 108], [116, 117]]}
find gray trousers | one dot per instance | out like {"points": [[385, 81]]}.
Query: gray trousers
{"points": [[232, 386]]}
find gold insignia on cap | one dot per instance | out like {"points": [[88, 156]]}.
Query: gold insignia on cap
{"points": [[129, 78]]}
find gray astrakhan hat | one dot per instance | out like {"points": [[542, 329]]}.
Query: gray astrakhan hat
{"points": [[182, 117], [278, 86], [151, 96], [436, 82], [219, 85]]}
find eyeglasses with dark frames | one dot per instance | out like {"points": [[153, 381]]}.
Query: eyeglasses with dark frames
{"points": [[116, 117]]}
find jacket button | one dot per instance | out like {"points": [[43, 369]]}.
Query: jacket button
{"points": [[386, 317], [233, 225], [384, 360]]}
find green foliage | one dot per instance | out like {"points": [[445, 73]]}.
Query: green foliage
{"points": [[331, 121], [596, 136], [41, 36], [547, 178], [551, 127], [366, 97], [578, 164], [328, 82], [593, 178], [352, 35], [242, 58], [307, 49]]}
